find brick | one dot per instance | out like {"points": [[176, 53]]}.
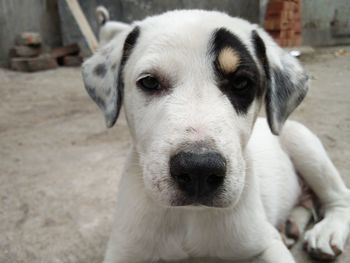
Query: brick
{"points": [[42, 62], [289, 43], [275, 7], [278, 41], [297, 26], [289, 6], [25, 51], [281, 41], [72, 61], [275, 34], [19, 64], [295, 7], [290, 15], [285, 42], [281, 16], [28, 38], [290, 34], [60, 52], [297, 16], [273, 24], [297, 40], [278, 34]]}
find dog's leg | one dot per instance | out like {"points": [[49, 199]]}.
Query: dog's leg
{"points": [[299, 217], [275, 253], [326, 240]]}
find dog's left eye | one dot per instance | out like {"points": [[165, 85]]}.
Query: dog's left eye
{"points": [[148, 83], [241, 83]]}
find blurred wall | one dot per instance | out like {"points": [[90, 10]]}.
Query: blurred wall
{"points": [[55, 23], [28, 15], [130, 10], [326, 22]]}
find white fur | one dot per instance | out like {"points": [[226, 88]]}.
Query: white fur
{"points": [[262, 185], [109, 30]]}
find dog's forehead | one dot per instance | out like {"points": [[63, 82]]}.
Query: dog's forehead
{"points": [[193, 30]]}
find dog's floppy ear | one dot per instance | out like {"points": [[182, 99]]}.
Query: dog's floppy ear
{"points": [[287, 82], [103, 74]]}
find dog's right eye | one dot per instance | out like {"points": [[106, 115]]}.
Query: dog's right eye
{"points": [[148, 83]]}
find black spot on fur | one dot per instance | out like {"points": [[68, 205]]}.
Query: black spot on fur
{"points": [[97, 99], [247, 72], [284, 88], [100, 70], [129, 44], [260, 51], [283, 95], [108, 92]]}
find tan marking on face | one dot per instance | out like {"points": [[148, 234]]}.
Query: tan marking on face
{"points": [[228, 60]]}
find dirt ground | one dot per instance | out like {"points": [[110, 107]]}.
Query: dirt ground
{"points": [[59, 165]]}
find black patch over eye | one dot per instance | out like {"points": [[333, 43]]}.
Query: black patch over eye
{"points": [[149, 83], [241, 85]]}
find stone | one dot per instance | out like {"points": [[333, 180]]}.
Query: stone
{"points": [[72, 61], [25, 51], [60, 52], [28, 38], [43, 62]]}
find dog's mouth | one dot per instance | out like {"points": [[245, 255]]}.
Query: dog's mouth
{"points": [[212, 201]]}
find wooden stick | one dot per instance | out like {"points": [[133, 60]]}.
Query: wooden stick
{"points": [[83, 24]]}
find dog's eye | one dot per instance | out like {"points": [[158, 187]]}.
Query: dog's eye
{"points": [[241, 83], [148, 83]]}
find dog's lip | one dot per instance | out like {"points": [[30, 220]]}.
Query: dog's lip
{"points": [[194, 203], [198, 207]]}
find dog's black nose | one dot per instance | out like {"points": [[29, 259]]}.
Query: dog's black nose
{"points": [[198, 174]]}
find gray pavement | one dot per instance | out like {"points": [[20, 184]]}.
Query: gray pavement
{"points": [[59, 165]]}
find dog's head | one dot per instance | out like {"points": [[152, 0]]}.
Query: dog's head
{"points": [[192, 83]]}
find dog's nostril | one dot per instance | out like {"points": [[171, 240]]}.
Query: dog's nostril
{"points": [[214, 179], [198, 174], [183, 178]]}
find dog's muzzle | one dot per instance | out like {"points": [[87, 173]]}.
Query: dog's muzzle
{"points": [[198, 174]]}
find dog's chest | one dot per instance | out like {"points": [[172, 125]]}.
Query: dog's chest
{"points": [[203, 235]]}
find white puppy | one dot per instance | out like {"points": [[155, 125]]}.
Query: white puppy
{"points": [[203, 178]]}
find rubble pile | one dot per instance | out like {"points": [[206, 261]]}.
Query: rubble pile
{"points": [[29, 54]]}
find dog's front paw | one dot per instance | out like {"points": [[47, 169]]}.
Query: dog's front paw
{"points": [[327, 239]]}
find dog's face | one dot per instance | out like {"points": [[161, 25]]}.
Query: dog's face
{"points": [[192, 84]]}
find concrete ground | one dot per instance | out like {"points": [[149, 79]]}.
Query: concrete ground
{"points": [[59, 165]]}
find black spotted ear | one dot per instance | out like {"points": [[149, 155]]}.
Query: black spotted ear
{"points": [[287, 81], [103, 74]]}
